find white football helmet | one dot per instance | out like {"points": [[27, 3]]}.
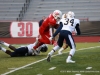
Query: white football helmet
{"points": [[57, 14], [71, 14]]}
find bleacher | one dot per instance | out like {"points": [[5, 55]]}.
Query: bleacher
{"points": [[83, 8], [13, 9], [10, 9], [34, 10]]}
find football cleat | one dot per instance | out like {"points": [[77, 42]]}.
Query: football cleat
{"points": [[1, 42], [70, 61], [48, 57]]}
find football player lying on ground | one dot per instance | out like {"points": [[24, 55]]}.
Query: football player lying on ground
{"points": [[67, 26], [22, 51]]}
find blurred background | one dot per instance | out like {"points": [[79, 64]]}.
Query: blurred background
{"points": [[19, 18]]}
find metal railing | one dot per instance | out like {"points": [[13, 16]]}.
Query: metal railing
{"points": [[24, 9]]}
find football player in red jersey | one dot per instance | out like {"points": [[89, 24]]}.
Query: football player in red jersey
{"points": [[46, 29]]}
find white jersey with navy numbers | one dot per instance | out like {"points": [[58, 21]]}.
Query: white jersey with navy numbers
{"points": [[69, 24], [30, 47]]}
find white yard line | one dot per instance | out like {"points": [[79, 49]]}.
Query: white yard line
{"points": [[52, 68], [44, 59]]}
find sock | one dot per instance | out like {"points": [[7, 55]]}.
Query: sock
{"points": [[72, 52], [54, 49], [69, 57], [6, 44], [36, 42], [3, 49], [61, 49]]}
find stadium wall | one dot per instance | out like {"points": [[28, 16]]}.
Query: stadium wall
{"points": [[25, 32], [31, 40]]}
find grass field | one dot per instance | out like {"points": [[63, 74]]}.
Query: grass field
{"points": [[86, 56]]}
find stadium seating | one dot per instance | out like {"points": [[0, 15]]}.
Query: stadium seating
{"points": [[10, 9], [83, 8]]}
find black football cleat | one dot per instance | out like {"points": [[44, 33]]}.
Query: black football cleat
{"points": [[48, 57]]}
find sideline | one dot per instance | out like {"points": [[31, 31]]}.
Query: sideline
{"points": [[45, 59]]}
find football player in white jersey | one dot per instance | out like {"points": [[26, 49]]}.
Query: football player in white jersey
{"points": [[65, 46], [23, 50], [67, 26]]}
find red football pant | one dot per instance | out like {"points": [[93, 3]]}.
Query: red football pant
{"points": [[44, 39]]}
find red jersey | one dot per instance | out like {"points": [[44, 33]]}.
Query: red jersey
{"points": [[46, 23]]}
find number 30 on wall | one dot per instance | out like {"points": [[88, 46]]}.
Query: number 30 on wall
{"points": [[24, 29]]}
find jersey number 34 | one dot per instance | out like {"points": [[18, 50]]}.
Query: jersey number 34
{"points": [[69, 21]]}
